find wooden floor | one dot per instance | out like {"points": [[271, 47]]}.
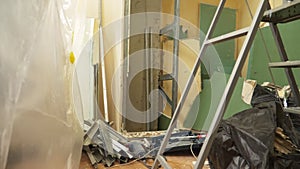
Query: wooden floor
{"points": [[182, 160]]}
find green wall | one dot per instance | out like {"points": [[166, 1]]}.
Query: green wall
{"points": [[258, 60], [205, 105], [225, 50]]}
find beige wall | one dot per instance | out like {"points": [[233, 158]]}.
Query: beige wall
{"points": [[113, 10]]}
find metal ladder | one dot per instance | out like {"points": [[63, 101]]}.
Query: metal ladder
{"points": [[250, 33]]}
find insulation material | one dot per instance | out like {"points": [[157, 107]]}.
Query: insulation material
{"points": [[38, 124]]}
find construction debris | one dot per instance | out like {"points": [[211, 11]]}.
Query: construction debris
{"points": [[283, 144], [264, 136], [143, 134], [104, 145], [248, 89]]}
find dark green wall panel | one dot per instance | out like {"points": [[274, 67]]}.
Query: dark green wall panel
{"points": [[258, 61], [226, 24]]}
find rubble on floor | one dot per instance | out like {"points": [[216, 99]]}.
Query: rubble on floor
{"points": [[105, 145]]}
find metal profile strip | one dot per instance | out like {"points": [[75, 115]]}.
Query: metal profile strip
{"points": [[285, 13], [165, 77], [169, 101], [175, 55]]}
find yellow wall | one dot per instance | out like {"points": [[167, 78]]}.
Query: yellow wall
{"points": [[189, 11], [188, 51], [244, 20]]}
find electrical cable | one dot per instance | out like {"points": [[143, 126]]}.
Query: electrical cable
{"points": [[144, 156], [191, 148]]}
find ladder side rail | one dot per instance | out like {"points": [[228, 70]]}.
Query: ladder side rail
{"points": [[189, 83], [231, 84]]}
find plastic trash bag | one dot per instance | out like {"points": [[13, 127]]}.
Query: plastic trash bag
{"points": [[246, 140]]}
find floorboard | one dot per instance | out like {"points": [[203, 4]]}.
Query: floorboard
{"points": [[179, 160]]}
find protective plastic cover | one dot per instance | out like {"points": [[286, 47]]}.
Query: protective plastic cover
{"points": [[38, 124]]}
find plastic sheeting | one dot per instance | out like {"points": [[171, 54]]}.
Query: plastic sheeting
{"points": [[38, 124], [246, 140]]}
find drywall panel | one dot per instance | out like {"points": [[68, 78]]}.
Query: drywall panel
{"points": [[225, 50], [207, 101], [258, 61]]}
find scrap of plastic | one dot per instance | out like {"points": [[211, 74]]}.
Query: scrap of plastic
{"points": [[246, 140], [38, 125]]}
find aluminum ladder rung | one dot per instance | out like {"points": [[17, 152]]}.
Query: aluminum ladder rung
{"points": [[228, 36], [290, 64]]}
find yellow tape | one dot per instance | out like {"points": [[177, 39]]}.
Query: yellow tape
{"points": [[72, 57]]}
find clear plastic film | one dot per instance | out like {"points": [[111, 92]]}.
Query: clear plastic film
{"points": [[38, 124]]}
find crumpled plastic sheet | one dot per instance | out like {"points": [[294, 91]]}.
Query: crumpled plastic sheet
{"points": [[246, 140], [38, 124]]}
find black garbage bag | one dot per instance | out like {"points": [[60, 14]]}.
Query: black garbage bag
{"points": [[296, 121], [290, 161], [262, 94], [288, 122], [246, 140]]}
